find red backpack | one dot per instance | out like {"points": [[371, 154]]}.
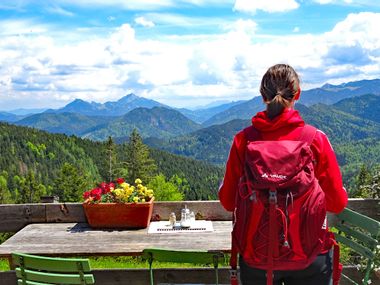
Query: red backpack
{"points": [[280, 215]]}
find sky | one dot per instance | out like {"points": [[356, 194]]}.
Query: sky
{"points": [[183, 53]]}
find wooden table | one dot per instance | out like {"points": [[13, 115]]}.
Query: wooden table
{"points": [[71, 239]]}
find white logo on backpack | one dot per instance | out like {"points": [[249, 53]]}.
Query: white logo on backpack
{"points": [[278, 176]]}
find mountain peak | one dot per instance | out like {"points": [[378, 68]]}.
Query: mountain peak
{"points": [[128, 98], [77, 102]]}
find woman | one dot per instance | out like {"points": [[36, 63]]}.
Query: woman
{"points": [[279, 90]]}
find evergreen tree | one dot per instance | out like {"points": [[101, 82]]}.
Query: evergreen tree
{"points": [[138, 161], [70, 184], [363, 178], [111, 159], [372, 188], [5, 194], [30, 190]]}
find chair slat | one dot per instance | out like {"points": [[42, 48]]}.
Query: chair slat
{"points": [[349, 279], [359, 220], [41, 270], [20, 282], [355, 246], [51, 263], [55, 278], [371, 242], [197, 257]]}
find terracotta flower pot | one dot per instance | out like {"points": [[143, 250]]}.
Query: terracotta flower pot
{"points": [[119, 215]]}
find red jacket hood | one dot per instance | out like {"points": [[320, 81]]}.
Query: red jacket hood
{"points": [[288, 118]]}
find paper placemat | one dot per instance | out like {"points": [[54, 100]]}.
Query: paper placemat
{"points": [[163, 227]]}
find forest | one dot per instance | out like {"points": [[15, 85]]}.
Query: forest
{"points": [[35, 163]]}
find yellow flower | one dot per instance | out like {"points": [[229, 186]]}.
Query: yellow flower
{"points": [[135, 199], [124, 185], [138, 181]]}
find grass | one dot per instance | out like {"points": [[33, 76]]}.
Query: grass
{"points": [[107, 262]]}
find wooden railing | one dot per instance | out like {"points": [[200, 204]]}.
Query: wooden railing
{"points": [[14, 217]]}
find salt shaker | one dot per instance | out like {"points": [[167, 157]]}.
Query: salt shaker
{"points": [[172, 219]]}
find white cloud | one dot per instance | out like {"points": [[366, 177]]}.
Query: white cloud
{"points": [[296, 29], [270, 6], [323, 2], [19, 27], [128, 5], [177, 70], [348, 2], [143, 22], [59, 10]]}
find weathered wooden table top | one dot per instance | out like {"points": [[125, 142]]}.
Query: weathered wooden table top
{"points": [[70, 239]]}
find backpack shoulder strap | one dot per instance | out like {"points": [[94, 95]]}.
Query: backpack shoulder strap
{"points": [[252, 134], [308, 134]]}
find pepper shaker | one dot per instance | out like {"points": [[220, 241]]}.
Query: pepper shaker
{"points": [[172, 219]]}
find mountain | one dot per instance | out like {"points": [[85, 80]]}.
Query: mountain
{"points": [[330, 94], [118, 108], [65, 123], [80, 107], [242, 110], [365, 106], [212, 143], [9, 117], [156, 122], [209, 144], [24, 112], [200, 115], [338, 125]]}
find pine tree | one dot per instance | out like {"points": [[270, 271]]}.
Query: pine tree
{"points": [[107, 160], [138, 161], [362, 179], [70, 184], [111, 159], [30, 190], [5, 194]]}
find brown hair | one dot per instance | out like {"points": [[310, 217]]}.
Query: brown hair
{"points": [[279, 85]]}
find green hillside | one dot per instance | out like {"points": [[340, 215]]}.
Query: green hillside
{"points": [[64, 123], [340, 126], [156, 122], [209, 144], [355, 139], [366, 107], [34, 159]]}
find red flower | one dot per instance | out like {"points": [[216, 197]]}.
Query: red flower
{"points": [[120, 180], [86, 195], [96, 193]]}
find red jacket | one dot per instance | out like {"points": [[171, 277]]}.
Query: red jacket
{"points": [[287, 126]]}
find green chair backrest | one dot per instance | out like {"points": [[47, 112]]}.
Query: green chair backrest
{"points": [[39, 270], [361, 234], [182, 256]]}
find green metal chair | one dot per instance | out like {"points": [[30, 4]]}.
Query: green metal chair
{"points": [[40, 270], [182, 256], [361, 234]]}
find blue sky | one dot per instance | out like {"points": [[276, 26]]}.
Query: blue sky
{"points": [[183, 53]]}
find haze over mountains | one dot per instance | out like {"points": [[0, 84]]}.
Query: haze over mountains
{"points": [[170, 125]]}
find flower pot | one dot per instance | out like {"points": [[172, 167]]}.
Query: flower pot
{"points": [[119, 215]]}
